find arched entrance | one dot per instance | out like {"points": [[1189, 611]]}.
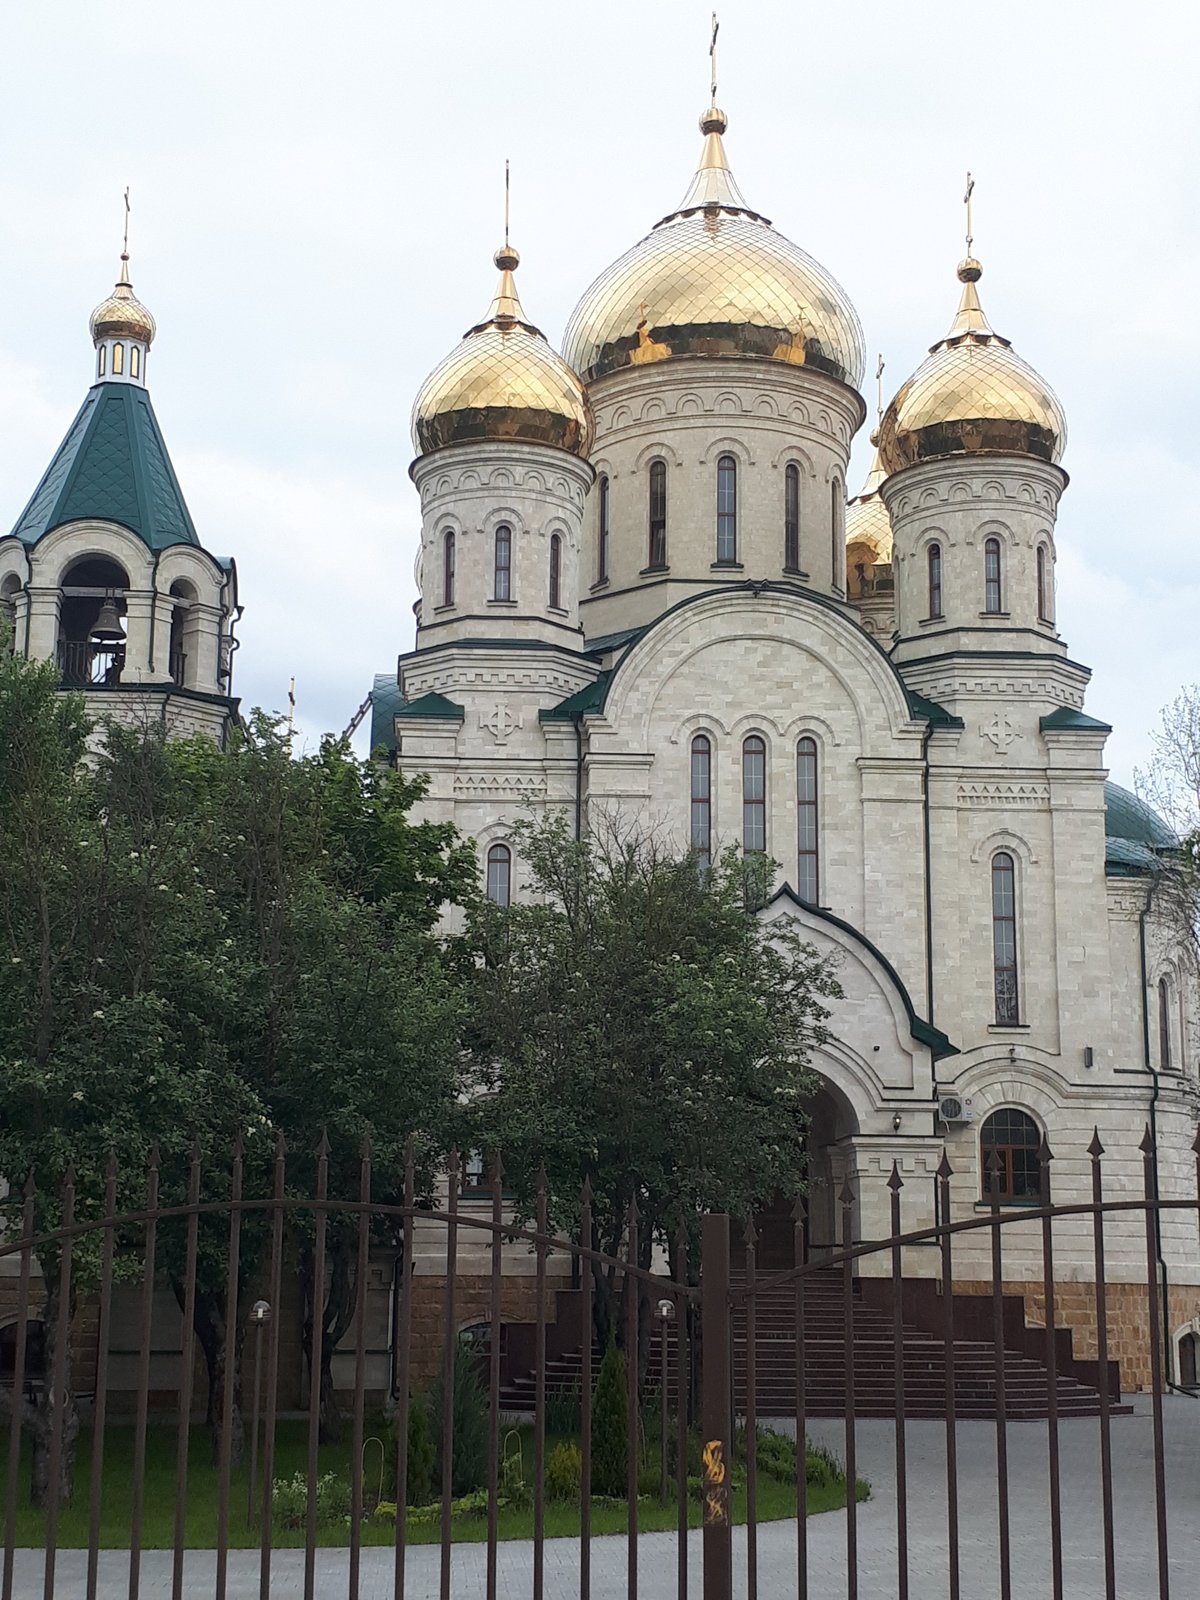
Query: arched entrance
{"points": [[832, 1124]]}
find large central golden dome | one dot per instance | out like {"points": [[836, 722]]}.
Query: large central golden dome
{"points": [[714, 279]]}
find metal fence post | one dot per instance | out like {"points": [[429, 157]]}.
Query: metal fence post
{"points": [[718, 1422]]}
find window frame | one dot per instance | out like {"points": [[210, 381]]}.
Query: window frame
{"points": [[1165, 1053], [602, 513], [118, 360], [838, 535], [102, 366], [1020, 1179], [555, 575], [791, 518], [700, 797], [1006, 974], [727, 476], [808, 807], [502, 570], [933, 569], [449, 566], [656, 511], [754, 806], [500, 856], [993, 580], [1043, 586]]}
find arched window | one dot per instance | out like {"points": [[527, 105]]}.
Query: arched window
{"points": [[502, 589], [1015, 1138], [1043, 586], [103, 359], [118, 358], [837, 513], [556, 572], [1004, 939], [1164, 1025], [808, 879], [991, 577], [134, 360], [935, 580], [448, 568], [754, 794], [727, 509], [602, 541], [791, 518], [658, 514], [701, 796], [499, 874]]}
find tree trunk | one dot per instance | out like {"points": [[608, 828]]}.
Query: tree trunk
{"points": [[336, 1302], [209, 1323], [40, 1417]]}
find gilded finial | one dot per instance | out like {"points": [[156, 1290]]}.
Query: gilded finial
{"points": [[969, 270], [712, 57], [125, 241], [506, 193], [879, 366], [506, 258], [714, 119]]}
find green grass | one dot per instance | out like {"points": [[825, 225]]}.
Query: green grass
{"points": [[775, 1500]]}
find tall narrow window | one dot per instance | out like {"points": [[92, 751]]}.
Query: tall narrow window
{"points": [[701, 796], [991, 577], [602, 540], [808, 880], [556, 572], [1164, 1025], [503, 583], [134, 360], [1043, 586], [448, 568], [1004, 939], [658, 514], [791, 518], [727, 509], [118, 358], [935, 580], [838, 552], [103, 354], [1016, 1139], [754, 794], [499, 874]]}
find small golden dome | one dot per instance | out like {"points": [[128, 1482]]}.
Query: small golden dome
{"points": [[867, 520], [503, 382], [972, 395], [122, 315], [715, 279]]}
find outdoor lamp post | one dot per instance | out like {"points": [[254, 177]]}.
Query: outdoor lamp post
{"points": [[260, 1315], [665, 1313]]}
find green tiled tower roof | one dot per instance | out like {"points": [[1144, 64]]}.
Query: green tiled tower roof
{"points": [[112, 466]]}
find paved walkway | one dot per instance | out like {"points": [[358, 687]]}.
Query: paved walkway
{"points": [[1137, 1572]]}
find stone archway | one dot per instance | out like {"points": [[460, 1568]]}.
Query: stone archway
{"points": [[833, 1123]]}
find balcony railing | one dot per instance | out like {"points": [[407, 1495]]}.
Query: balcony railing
{"points": [[83, 666], [178, 665]]}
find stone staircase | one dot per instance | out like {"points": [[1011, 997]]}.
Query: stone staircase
{"points": [[1027, 1382]]}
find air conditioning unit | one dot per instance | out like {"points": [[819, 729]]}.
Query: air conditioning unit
{"points": [[956, 1108]]}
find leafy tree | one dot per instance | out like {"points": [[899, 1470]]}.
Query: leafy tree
{"points": [[634, 1025], [1170, 782]]}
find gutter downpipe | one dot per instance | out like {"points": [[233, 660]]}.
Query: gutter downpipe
{"points": [[578, 779], [1163, 1282], [925, 738]]}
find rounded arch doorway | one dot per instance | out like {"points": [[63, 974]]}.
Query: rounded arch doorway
{"points": [[832, 1123]]}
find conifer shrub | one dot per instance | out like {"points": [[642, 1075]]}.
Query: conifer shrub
{"points": [[422, 1453], [610, 1426], [468, 1470], [564, 1472]]}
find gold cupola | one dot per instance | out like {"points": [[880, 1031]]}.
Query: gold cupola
{"points": [[122, 315], [714, 278], [868, 526], [503, 382], [972, 395]]}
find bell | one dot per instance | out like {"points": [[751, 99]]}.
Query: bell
{"points": [[108, 629]]}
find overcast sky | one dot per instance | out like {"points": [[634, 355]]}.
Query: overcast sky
{"points": [[317, 193]]}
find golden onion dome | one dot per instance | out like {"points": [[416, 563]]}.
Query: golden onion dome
{"points": [[972, 395], [714, 278], [867, 520], [122, 315], [503, 381]]}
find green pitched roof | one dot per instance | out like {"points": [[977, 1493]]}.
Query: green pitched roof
{"points": [[1066, 718], [112, 466], [431, 705], [1127, 817], [590, 698], [931, 710]]}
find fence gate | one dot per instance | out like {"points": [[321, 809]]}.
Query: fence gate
{"points": [[999, 1460]]}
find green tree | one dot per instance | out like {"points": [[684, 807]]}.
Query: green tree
{"points": [[635, 1025], [610, 1426]]}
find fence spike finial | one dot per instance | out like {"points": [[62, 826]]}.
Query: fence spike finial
{"points": [[1045, 1154], [238, 1149], [69, 1176], [324, 1147], [944, 1170], [280, 1145], [1147, 1144], [30, 1186], [365, 1150], [585, 1190], [1095, 1149], [497, 1169], [750, 1232], [799, 1211], [194, 1150], [846, 1195], [155, 1159], [110, 1167], [895, 1183]]}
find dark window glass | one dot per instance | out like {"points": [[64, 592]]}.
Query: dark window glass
{"points": [[935, 580], [555, 571], [1043, 587], [754, 794], [503, 589], [602, 545], [658, 514], [991, 577], [103, 354], [808, 882], [499, 874], [448, 570], [1015, 1138], [727, 509], [791, 517], [1004, 938], [701, 796], [838, 553], [1164, 1025]]}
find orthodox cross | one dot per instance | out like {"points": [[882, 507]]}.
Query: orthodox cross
{"points": [[879, 382], [967, 203], [712, 56]]}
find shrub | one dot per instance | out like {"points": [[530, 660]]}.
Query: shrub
{"points": [[564, 1472], [422, 1453], [564, 1409], [468, 1469], [610, 1426], [289, 1500]]}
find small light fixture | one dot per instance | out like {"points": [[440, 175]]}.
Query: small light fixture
{"points": [[896, 1121], [260, 1313], [665, 1310]]}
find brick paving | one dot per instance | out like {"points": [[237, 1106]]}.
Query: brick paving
{"points": [[1137, 1577]]}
